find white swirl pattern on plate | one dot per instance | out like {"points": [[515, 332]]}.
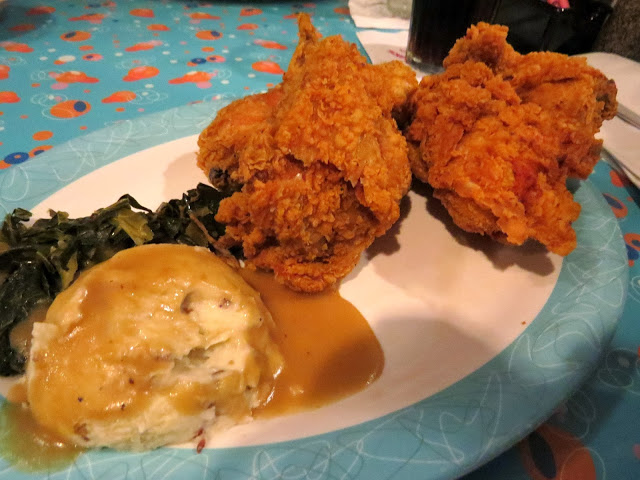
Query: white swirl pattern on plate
{"points": [[441, 436], [26, 185]]}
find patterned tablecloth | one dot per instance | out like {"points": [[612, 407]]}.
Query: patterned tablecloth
{"points": [[71, 67]]}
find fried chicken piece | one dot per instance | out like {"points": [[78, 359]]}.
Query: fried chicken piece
{"points": [[497, 134], [318, 163]]}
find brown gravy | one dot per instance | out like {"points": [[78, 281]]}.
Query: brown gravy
{"points": [[20, 335], [24, 443], [329, 348]]}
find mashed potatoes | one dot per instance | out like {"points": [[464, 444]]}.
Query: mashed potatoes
{"points": [[153, 346]]}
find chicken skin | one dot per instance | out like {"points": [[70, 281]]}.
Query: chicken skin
{"points": [[497, 134], [317, 163]]}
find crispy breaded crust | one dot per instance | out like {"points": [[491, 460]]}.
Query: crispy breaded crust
{"points": [[319, 160], [498, 134]]}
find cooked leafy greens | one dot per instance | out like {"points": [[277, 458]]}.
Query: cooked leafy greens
{"points": [[39, 260]]}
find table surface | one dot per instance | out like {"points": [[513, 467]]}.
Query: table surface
{"points": [[69, 68]]}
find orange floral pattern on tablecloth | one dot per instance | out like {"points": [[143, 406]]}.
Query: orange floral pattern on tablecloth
{"points": [[70, 68]]}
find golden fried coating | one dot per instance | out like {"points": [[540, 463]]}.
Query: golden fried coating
{"points": [[497, 134], [318, 162]]}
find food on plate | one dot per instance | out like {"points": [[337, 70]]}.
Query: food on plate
{"points": [[317, 164], [497, 134], [315, 374], [156, 345], [39, 259]]}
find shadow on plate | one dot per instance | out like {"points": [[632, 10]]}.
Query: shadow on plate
{"points": [[532, 256], [180, 175], [430, 259]]}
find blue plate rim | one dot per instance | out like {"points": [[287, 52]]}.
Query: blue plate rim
{"points": [[442, 436]]}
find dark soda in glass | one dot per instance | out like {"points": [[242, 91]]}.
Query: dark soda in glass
{"points": [[437, 24]]}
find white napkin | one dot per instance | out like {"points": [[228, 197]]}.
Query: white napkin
{"points": [[384, 46], [624, 71], [620, 138], [381, 14], [378, 17]]}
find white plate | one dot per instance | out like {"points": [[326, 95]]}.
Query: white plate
{"points": [[481, 340]]}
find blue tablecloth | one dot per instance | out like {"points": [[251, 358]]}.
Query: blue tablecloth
{"points": [[70, 67]]}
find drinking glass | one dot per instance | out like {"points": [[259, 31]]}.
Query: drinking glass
{"points": [[437, 24]]}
